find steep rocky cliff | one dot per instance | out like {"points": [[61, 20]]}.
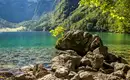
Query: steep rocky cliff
{"points": [[21, 10]]}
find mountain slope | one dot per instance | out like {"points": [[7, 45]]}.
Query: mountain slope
{"points": [[71, 15], [23, 10], [63, 9], [6, 24]]}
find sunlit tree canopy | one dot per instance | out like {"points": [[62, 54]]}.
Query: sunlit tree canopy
{"points": [[117, 10]]}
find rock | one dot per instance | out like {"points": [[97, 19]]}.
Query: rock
{"points": [[111, 58], [101, 50], [76, 77], [96, 42], [118, 66], [94, 60], [48, 77], [119, 73], [100, 76], [61, 72], [27, 68], [81, 68], [68, 58], [86, 60], [39, 71], [6, 74], [72, 74], [112, 77], [25, 77], [122, 60], [106, 71], [98, 61], [78, 41], [121, 66], [88, 68], [128, 75], [86, 76]]}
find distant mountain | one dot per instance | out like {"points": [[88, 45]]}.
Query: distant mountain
{"points": [[6, 24], [23, 10], [62, 10]]}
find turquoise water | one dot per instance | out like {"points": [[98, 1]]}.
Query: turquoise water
{"points": [[23, 48], [114, 38], [26, 39], [44, 39]]}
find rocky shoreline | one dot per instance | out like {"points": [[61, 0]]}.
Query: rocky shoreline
{"points": [[80, 56]]}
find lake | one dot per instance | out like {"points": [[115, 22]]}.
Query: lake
{"points": [[23, 48]]}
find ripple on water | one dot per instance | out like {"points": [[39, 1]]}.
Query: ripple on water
{"points": [[16, 58]]}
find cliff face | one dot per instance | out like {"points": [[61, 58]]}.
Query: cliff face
{"points": [[43, 7], [21, 10], [6, 24]]}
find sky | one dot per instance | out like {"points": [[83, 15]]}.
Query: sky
{"points": [[32, 0]]}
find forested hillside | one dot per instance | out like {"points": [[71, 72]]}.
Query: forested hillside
{"points": [[110, 16]]}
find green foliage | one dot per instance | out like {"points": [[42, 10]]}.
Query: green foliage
{"points": [[118, 11], [58, 31], [97, 15]]}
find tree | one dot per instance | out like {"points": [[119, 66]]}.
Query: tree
{"points": [[117, 10]]}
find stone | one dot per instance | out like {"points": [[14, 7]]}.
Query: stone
{"points": [[100, 76], [118, 66], [78, 41], [128, 75], [6, 74], [76, 77], [119, 73], [25, 77], [121, 66], [96, 42], [39, 71], [98, 61], [101, 50], [72, 74], [68, 58], [27, 68], [48, 77], [112, 77], [86, 76], [122, 60], [86, 60], [111, 58], [61, 72], [106, 71]]}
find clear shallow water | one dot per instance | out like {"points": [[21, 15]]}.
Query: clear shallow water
{"points": [[114, 38], [23, 48], [117, 43]]}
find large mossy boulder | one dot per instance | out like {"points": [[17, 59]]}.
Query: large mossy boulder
{"points": [[79, 41]]}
